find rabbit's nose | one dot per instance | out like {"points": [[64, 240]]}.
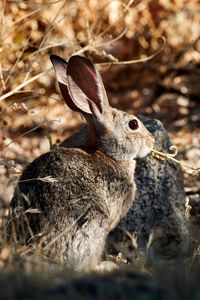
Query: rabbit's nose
{"points": [[150, 141]]}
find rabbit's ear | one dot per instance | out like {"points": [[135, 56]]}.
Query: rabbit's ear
{"points": [[60, 67], [85, 86]]}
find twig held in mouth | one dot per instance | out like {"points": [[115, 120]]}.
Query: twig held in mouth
{"points": [[184, 166]]}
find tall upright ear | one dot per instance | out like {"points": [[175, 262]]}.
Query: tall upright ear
{"points": [[85, 86], [60, 67]]}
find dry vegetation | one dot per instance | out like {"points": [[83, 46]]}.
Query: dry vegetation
{"points": [[109, 32]]}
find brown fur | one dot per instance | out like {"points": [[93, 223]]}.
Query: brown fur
{"points": [[93, 186]]}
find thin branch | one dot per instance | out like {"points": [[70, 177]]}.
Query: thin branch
{"points": [[27, 16], [50, 26], [184, 166], [1, 78], [134, 61], [23, 84], [18, 59], [23, 134], [47, 179], [126, 8]]}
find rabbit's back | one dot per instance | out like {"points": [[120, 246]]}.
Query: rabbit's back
{"points": [[80, 196], [63, 182]]}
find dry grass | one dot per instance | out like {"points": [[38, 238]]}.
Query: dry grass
{"points": [[110, 31]]}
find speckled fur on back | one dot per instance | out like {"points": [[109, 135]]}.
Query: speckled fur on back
{"points": [[68, 200]]}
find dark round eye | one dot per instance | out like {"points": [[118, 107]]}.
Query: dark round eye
{"points": [[133, 124]]}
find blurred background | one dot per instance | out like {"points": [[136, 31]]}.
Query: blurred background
{"points": [[165, 87]]}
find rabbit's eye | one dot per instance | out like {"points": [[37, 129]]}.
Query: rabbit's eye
{"points": [[133, 124]]}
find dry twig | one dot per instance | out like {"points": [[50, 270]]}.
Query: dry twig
{"points": [[184, 166]]}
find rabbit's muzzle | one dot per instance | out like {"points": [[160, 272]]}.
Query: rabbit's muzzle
{"points": [[147, 145]]}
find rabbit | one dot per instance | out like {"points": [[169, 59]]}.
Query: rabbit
{"points": [[69, 199]]}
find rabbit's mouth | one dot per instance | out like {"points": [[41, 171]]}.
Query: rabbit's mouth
{"points": [[146, 146]]}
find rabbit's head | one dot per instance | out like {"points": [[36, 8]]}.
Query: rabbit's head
{"points": [[118, 134]]}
